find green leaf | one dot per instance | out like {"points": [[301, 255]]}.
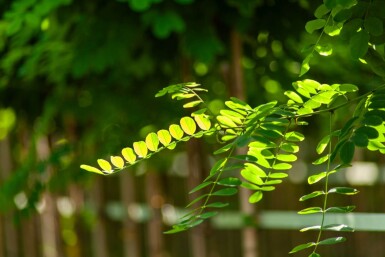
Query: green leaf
{"points": [[278, 175], [200, 186], [117, 161], [286, 157], [310, 210], [294, 136], [311, 195], [226, 191], [140, 149], [317, 177], [293, 96], [324, 50], [128, 155], [203, 121], [338, 227], [374, 26], [105, 165], [176, 131], [251, 176], [218, 166], [314, 255], [290, 147], [272, 182], [333, 240], [267, 188], [262, 143], [324, 97], [196, 200], [164, 137], [313, 25], [372, 120], [305, 67], [347, 88], [230, 181], [192, 104], [347, 152], [323, 144], [256, 197], [282, 166], [188, 125], [321, 11], [321, 160], [217, 205], [152, 142], [345, 209], [224, 148], [302, 247], [344, 190], [360, 139], [208, 215], [226, 122], [91, 169], [359, 44], [255, 170]]}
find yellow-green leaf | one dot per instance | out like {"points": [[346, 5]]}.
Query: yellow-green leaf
{"points": [[176, 131], [152, 142], [129, 155], [90, 169], [140, 149], [188, 125], [164, 137], [192, 104], [105, 165], [117, 161], [202, 121], [226, 122]]}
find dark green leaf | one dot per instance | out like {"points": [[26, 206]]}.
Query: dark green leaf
{"points": [[217, 205], [302, 247], [359, 44], [313, 25], [208, 215], [360, 139], [374, 26], [345, 209], [321, 11], [200, 186], [226, 191], [197, 200], [290, 147], [347, 152], [218, 166], [370, 132], [311, 195], [334, 240], [230, 181], [344, 190], [372, 120]]}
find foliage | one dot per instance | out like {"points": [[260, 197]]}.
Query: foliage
{"points": [[271, 131]]}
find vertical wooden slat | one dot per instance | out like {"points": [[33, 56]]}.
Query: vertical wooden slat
{"points": [[99, 236], [155, 243], [10, 233], [131, 242], [237, 89], [49, 216]]}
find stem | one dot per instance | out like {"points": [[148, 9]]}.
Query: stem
{"points": [[326, 185]]}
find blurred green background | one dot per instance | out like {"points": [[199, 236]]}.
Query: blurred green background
{"points": [[77, 82]]}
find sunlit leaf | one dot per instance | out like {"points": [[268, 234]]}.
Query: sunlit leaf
{"points": [[152, 141], [188, 125], [282, 166], [203, 121], [256, 197], [317, 177], [176, 131], [192, 104], [338, 227], [278, 175], [129, 155], [290, 147], [345, 209], [140, 148], [293, 96], [105, 165], [321, 160], [91, 169], [117, 161], [294, 136], [286, 157], [251, 176], [323, 144], [226, 122], [164, 137]]}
